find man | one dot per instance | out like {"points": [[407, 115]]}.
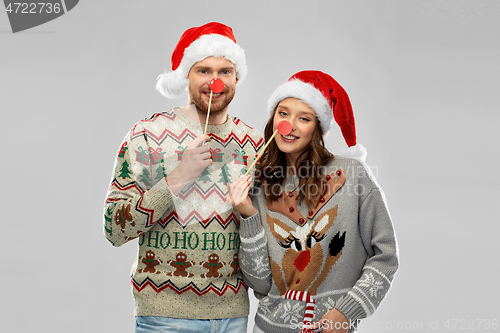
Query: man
{"points": [[169, 191]]}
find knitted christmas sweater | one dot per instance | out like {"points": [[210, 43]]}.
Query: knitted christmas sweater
{"points": [[187, 264], [342, 253]]}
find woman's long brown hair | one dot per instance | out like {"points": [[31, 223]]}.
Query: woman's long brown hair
{"points": [[272, 170]]}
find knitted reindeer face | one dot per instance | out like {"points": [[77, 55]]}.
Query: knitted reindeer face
{"points": [[304, 256]]}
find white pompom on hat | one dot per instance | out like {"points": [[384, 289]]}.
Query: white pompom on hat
{"points": [[328, 99], [210, 40]]}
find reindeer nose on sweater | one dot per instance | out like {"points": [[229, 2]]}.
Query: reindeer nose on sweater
{"points": [[302, 260]]}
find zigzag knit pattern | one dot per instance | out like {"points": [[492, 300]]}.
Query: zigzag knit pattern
{"points": [[190, 287], [160, 137]]}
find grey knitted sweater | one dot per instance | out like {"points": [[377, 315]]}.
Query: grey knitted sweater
{"points": [[342, 252]]}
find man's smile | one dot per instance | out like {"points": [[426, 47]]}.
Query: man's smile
{"points": [[214, 95]]}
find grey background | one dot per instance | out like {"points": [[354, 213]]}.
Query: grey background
{"points": [[423, 77]]}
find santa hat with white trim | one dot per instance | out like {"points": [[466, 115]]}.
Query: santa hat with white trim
{"points": [[328, 99], [197, 43]]}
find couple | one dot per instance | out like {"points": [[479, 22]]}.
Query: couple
{"points": [[315, 240]]}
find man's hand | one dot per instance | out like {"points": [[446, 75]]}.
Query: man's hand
{"points": [[238, 196], [195, 159], [333, 321]]}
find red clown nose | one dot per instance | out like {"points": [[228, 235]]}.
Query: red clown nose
{"points": [[216, 85], [284, 127]]}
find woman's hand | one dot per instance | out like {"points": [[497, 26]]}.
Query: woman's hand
{"points": [[333, 321], [239, 198]]}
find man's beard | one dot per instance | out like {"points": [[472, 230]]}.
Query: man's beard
{"points": [[217, 106]]}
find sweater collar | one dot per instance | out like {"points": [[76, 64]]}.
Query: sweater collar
{"points": [[215, 129]]}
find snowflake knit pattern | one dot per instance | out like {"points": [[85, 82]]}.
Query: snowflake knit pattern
{"points": [[187, 264]]}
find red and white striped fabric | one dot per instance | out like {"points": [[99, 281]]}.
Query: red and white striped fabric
{"points": [[311, 303]]}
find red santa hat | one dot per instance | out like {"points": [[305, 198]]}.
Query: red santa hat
{"points": [[328, 99], [197, 43]]}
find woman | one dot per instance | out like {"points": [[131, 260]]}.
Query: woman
{"points": [[317, 242]]}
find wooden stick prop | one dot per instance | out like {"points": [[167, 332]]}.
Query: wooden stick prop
{"points": [[284, 128], [216, 86]]}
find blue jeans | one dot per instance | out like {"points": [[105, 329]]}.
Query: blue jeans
{"points": [[152, 324]]}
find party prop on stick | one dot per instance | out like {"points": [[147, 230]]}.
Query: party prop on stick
{"points": [[284, 128], [216, 86]]}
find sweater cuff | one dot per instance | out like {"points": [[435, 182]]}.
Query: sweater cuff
{"points": [[251, 226], [351, 308]]}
